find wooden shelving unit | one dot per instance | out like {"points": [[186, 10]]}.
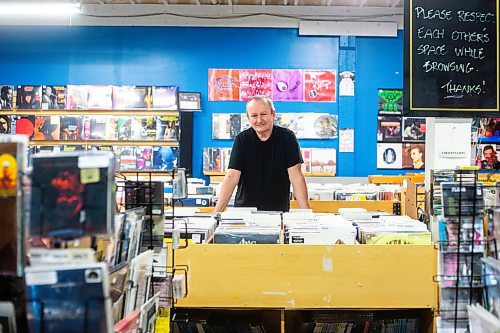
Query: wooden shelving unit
{"points": [[104, 143], [392, 207], [295, 278], [99, 112]]}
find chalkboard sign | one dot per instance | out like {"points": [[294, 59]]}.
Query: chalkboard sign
{"points": [[451, 58]]}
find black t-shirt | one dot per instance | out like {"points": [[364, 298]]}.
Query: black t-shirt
{"points": [[264, 181]]}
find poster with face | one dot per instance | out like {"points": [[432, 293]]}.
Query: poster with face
{"points": [[319, 85], [287, 85], [223, 84], [414, 156], [389, 156]]}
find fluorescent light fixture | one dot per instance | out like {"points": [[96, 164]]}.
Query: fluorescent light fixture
{"points": [[344, 28], [39, 9]]}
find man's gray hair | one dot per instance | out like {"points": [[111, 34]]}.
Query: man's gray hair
{"points": [[265, 99]]}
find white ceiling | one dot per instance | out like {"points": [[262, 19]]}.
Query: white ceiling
{"points": [[250, 13]]}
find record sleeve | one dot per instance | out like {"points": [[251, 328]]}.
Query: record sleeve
{"points": [[389, 156], [132, 97], [29, 97], [167, 128], [389, 129], [13, 161], [144, 158], [5, 124], [72, 127], [127, 157], [414, 156], [72, 195], [165, 158], [72, 298], [77, 97], [390, 101], [148, 128], [98, 127], [24, 125], [7, 101], [53, 97], [124, 128], [99, 97], [47, 128], [413, 129], [324, 160], [165, 98]]}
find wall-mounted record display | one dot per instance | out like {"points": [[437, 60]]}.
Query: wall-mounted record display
{"points": [[451, 58]]}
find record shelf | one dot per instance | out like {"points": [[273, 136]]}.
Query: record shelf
{"points": [[325, 206], [288, 282]]}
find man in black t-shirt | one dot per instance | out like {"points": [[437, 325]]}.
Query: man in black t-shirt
{"points": [[265, 159]]}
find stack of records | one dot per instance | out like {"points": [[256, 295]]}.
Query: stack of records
{"points": [[193, 229]]}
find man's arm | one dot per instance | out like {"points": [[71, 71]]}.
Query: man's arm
{"points": [[299, 185], [228, 184]]}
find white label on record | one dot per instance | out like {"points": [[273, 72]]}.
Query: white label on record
{"points": [[93, 161], [41, 278]]}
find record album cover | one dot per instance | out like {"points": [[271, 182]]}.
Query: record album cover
{"points": [[72, 127], [390, 101], [414, 156], [47, 128], [413, 129], [165, 98], [24, 125], [5, 124], [77, 97], [7, 101], [53, 97], [167, 128], [29, 97], [223, 84], [72, 195], [288, 85], [72, 298], [144, 158], [255, 82], [99, 97], [132, 97], [389, 156], [389, 129], [319, 85], [165, 158]]}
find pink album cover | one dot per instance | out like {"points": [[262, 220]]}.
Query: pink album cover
{"points": [[223, 84], [255, 82], [287, 85], [319, 85]]}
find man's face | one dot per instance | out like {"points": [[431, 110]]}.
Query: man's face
{"points": [[488, 154], [260, 116], [3, 126]]}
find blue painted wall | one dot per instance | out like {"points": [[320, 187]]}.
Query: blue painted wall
{"points": [[182, 56]]}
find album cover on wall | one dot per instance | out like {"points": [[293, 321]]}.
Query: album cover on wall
{"points": [[324, 160], [223, 84], [165, 158], [221, 125], [29, 97], [71, 195], [6, 124], [144, 159], [132, 97], [136, 128], [53, 97], [13, 161], [325, 127], [487, 156], [23, 125], [306, 156], [72, 127], [413, 129], [111, 128], [99, 97], [124, 126], [98, 127], [389, 129], [319, 85], [167, 128], [77, 97], [389, 156], [47, 128], [7, 99], [127, 157], [414, 156], [390, 101], [288, 85], [255, 82], [165, 98]]}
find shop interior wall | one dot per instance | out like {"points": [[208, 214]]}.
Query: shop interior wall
{"points": [[182, 56]]}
